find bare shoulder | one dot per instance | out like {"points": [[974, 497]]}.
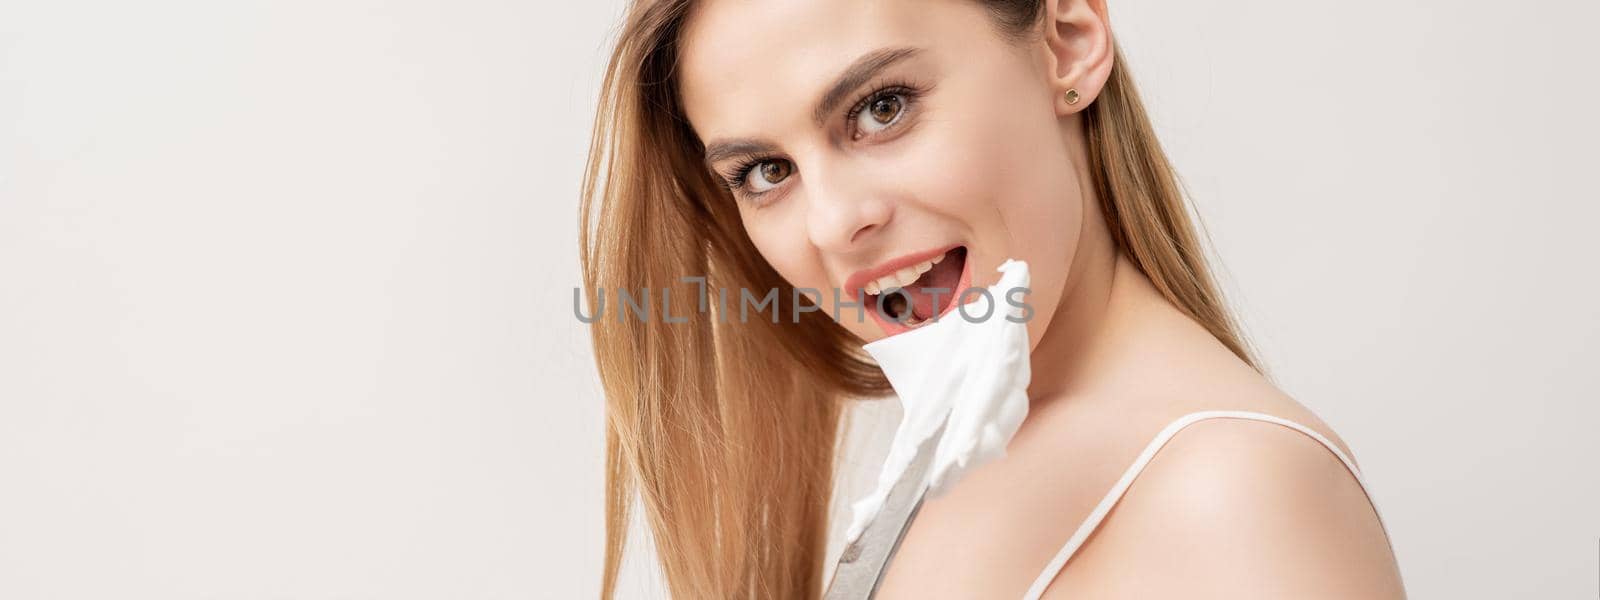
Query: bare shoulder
{"points": [[1234, 508]]}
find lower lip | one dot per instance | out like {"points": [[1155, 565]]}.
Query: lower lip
{"points": [[893, 328]]}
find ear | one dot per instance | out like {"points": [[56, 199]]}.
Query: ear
{"points": [[1078, 38]]}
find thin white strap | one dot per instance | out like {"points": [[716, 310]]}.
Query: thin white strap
{"points": [[1099, 513]]}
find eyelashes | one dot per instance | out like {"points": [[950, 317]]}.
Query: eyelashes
{"points": [[736, 178], [906, 97], [906, 94]]}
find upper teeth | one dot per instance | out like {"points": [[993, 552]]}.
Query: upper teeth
{"points": [[903, 277]]}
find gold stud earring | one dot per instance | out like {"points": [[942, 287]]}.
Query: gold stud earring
{"points": [[1072, 96]]}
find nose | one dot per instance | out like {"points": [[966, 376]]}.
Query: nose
{"points": [[842, 215]]}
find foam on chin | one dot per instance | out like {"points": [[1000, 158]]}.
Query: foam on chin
{"points": [[970, 377]]}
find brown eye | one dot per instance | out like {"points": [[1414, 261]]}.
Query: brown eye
{"points": [[886, 109], [880, 113], [769, 174]]}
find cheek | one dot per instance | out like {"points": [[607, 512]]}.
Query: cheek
{"points": [[786, 249], [789, 251], [1008, 179], [1045, 231]]}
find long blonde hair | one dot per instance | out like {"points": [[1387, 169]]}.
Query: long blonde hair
{"points": [[726, 430]]}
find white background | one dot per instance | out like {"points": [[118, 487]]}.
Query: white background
{"points": [[285, 287]]}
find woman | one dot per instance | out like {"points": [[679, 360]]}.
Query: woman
{"points": [[797, 144]]}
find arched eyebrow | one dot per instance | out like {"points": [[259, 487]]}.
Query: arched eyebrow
{"points": [[858, 73]]}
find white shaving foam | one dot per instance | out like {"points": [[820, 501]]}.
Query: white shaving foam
{"points": [[970, 376]]}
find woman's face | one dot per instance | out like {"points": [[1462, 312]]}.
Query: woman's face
{"points": [[890, 143]]}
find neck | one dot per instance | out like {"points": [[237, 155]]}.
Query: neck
{"points": [[1078, 323], [1114, 336]]}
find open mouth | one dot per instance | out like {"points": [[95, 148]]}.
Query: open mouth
{"points": [[918, 294]]}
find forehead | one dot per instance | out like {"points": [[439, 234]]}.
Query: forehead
{"points": [[748, 67]]}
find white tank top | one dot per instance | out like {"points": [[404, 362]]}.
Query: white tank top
{"points": [[1099, 513]]}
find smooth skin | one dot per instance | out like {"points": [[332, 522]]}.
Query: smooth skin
{"points": [[987, 152]]}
